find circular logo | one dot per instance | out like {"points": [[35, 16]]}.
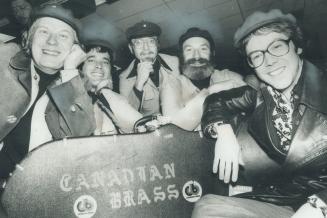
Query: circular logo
{"points": [[85, 206], [192, 191]]}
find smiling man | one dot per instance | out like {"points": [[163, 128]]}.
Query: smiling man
{"points": [[43, 96], [113, 114], [182, 100], [284, 138]]}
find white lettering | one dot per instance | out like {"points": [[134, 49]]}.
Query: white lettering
{"points": [[64, 183], [154, 172], [158, 194]]}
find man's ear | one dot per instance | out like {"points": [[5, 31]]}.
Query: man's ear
{"points": [[299, 51], [130, 48]]}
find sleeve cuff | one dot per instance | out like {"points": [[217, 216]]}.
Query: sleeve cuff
{"points": [[67, 75]]}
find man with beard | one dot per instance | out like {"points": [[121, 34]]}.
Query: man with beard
{"points": [[183, 99], [143, 78]]}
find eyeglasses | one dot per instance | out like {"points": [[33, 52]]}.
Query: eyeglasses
{"points": [[139, 43], [277, 48]]}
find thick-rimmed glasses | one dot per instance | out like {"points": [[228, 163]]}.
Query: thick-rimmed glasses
{"points": [[277, 48]]}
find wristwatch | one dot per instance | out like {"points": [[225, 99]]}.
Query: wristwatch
{"points": [[316, 202], [212, 129]]}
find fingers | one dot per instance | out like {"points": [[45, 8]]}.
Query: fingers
{"points": [[221, 169], [215, 165], [235, 171], [228, 169]]}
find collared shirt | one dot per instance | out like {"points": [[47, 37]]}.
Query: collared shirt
{"points": [[296, 115]]}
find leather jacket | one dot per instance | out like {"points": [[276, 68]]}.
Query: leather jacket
{"points": [[303, 170]]}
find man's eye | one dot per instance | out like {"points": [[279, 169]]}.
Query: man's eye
{"points": [[204, 49], [187, 49], [90, 60], [137, 42], [255, 56], [43, 31], [152, 41], [63, 36]]}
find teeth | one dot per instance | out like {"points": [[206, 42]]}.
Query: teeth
{"points": [[197, 64], [50, 52], [97, 74]]}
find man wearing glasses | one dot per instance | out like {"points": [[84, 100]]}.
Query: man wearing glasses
{"points": [[141, 80], [283, 138]]}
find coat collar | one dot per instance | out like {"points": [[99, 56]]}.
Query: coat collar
{"points": [[314, 88], [21, 63]]}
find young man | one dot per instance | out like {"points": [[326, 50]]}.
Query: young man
{"points": [[285, 136], [43, 96], [183, 101], [142, 79], [112, 112]]}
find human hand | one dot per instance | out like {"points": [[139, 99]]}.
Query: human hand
{"points": [[306, 210], [221, 86], [74, 58], [104, 83], [227, 151], [143, 72]]}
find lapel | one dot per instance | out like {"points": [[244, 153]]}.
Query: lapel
{"points": [[22, 65], [310, 138]]}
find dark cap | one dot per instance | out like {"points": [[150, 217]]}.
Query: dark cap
{"points": [[143, 29], [79, 8], [58, 12], [259, 19], [96, 31], [196, 32]]}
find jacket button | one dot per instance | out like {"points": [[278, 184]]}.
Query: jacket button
{"points": [[11, 119], [73, 108]]}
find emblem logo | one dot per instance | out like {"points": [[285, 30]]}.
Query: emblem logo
{"points": [[192, 191], [85, 206]]}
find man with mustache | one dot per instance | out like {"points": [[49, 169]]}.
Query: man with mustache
{"points": [[281, 145], [142, 80], [43, 97], [182, 101]]}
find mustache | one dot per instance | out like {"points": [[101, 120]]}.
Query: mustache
{"points": [[200, 60]]}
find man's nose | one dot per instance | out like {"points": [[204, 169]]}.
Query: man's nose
{"points": [[146, 46], [52, 39], [196, 54], [98, 65], [269, 59]]}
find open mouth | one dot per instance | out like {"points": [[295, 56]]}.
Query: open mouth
{"points": [[197, 64], [50, 52], [97, 75], [276, 71]]}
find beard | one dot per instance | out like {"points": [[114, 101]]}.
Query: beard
{"points": [[198, 72]]}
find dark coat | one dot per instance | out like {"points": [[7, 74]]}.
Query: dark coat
{"points": [[69, 112], [302, 170]]}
